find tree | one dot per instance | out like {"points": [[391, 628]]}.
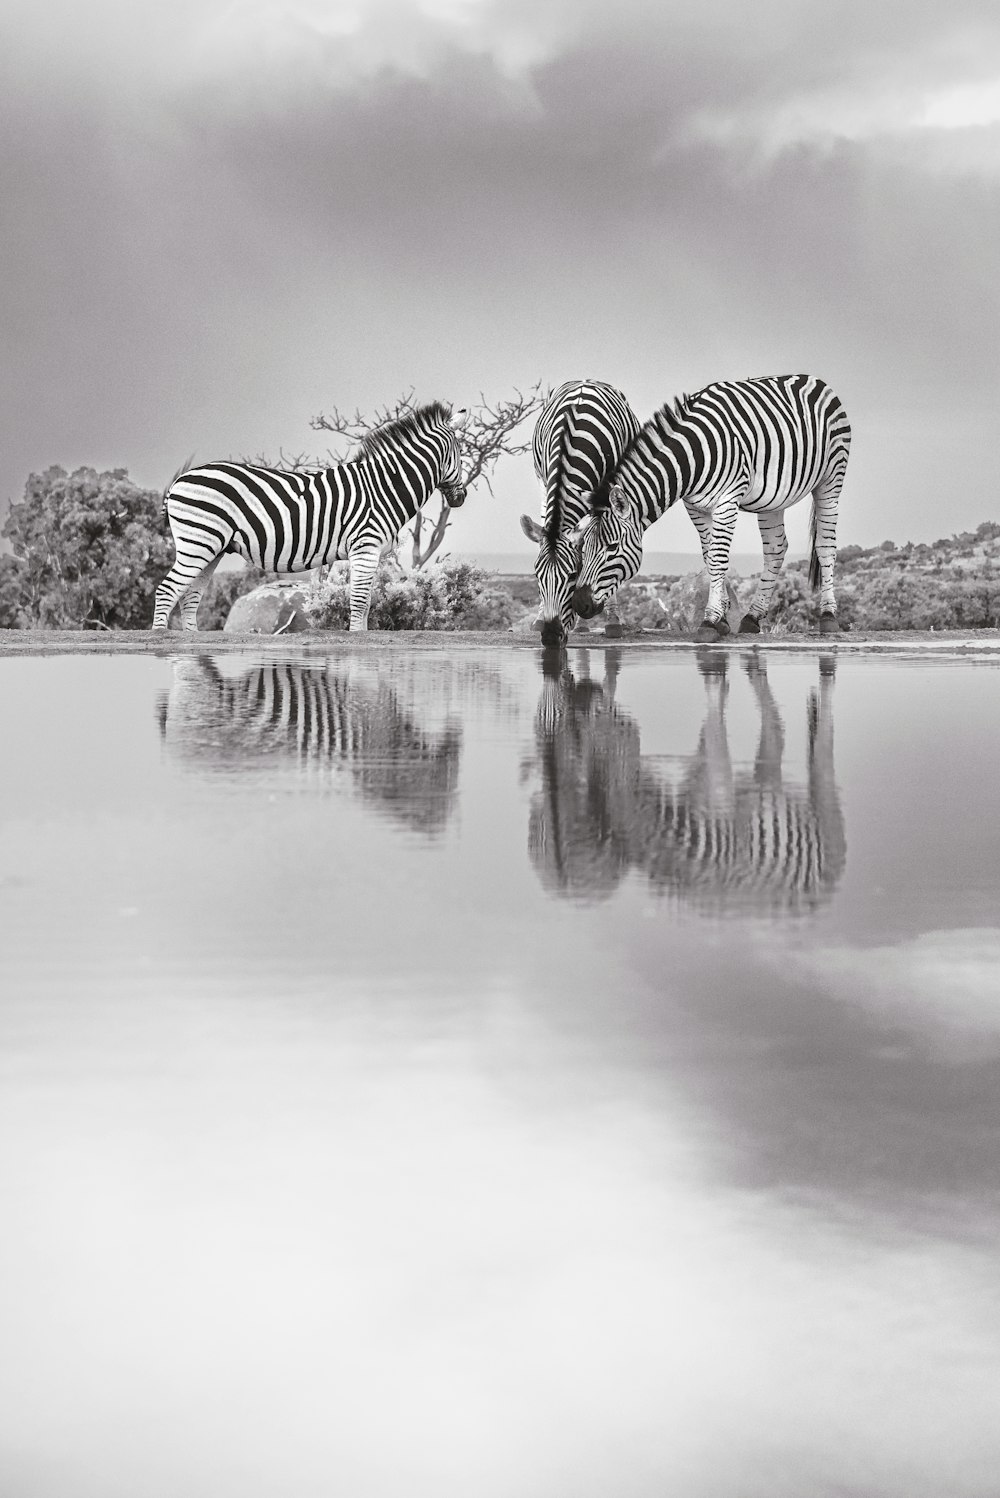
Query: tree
{"points": [[487, 436], [90, 549]]}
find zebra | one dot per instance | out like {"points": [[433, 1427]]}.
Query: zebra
{"points": [[757, 445], [291, 520], [583, 429], [317, 721], [719, 840]]}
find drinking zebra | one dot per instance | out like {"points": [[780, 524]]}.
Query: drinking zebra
{"points": [[317, 721], [757, 445], [719, 840], [583, 429], [290, 520]]}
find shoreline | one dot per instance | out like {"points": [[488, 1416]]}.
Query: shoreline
{"points": [[984, 644]]}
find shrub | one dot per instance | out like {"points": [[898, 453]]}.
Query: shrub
{"points": [[89, 548], [445, 595]]}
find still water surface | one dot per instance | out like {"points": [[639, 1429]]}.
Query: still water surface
{"points": [[449, 1073]]}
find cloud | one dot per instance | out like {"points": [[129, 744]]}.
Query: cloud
{"points": [[941, 990], [227, 208]]}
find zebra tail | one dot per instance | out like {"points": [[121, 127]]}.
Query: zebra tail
{"points": [[814, 569], [166, 493]]}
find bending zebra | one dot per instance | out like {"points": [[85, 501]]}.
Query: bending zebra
{"points": [[757, 445], [290, 520], [317, 721], [584, 428]]}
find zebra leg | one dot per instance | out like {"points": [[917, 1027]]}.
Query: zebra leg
{"points": [[702, 522], [715, 625], [364, 562], [185, 571], [192, 597], [824, 545], [775, 544]]}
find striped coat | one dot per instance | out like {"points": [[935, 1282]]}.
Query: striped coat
{"points": [[291, 520]]}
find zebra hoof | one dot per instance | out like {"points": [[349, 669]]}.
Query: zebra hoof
{"points": [[829, 624], [613, 630], [749, 625], [711, 631]]}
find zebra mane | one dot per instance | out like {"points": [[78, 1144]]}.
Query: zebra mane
{"points": [[675, 413], [601, 497], [668, 419], [553, 513], [389, 436]]}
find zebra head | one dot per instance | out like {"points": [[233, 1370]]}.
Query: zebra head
{"points": [[610, 551], [450, 482], [556, 567]]}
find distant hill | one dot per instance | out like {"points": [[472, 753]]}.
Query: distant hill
{"points": [[969, 553]]}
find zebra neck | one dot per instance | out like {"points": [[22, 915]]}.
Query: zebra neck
{"points": [[410, 481], [664, 467]]}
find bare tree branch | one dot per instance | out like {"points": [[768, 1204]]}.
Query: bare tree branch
{"points": [[486, 437]]}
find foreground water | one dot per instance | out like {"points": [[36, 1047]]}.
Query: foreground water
{"points": [[446, 1074]]}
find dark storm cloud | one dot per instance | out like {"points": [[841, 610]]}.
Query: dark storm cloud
{"points": [[349, 197]]}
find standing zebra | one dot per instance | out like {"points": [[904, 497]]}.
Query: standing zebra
{"points": [[757, 445], [584, 428], [289, 520]]}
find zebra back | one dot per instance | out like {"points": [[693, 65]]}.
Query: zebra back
{"points": [[288, 520], [781, 432], [579, 437]]}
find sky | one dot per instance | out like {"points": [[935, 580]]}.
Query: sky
{"points": [[223, 217]]}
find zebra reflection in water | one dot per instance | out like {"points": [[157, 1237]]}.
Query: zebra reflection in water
{"points": [[718, 840], [580, 827], [319, 721]]}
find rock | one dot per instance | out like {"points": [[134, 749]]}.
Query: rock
{"points": [[270, 609]]}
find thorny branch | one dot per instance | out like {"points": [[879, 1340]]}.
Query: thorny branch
{"points": [[487, 436]]}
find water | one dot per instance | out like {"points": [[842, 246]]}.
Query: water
{"points": [[421, 1074]]}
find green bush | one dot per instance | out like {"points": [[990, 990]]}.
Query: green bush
{"points": [[445, 595]]}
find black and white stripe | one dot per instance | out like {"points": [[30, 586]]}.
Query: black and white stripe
{"points": [[759, 445], [291, 520], [582, 432]]}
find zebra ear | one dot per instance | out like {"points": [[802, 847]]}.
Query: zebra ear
{"points": [[532, 529], [459, 418], [618, 500]]}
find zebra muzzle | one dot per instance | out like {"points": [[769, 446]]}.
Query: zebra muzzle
{"points": [[583, 603]]}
